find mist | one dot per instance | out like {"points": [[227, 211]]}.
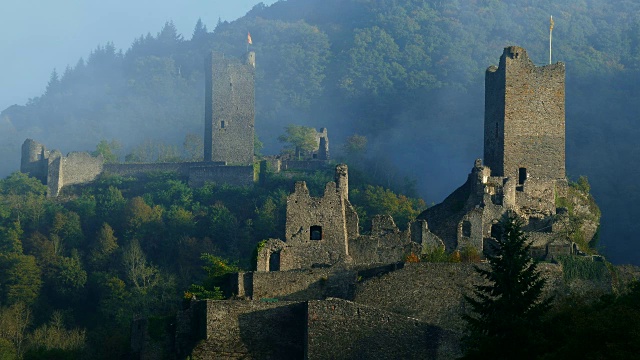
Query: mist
{"points": [[412, 84]]}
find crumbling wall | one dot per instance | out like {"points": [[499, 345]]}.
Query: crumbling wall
{"points": [[340, 329], [34, 160], [316, 229], [384, 245], [229, 110]]}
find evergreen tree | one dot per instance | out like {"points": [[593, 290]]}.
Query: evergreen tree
{"points": [[508, 308]]}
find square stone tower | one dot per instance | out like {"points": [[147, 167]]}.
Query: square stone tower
{"points": [[229, 109], [524, 120]]}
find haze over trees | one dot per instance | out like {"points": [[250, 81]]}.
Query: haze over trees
{"points": [[406, 75]]}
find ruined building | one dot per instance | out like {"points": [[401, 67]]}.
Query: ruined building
{"points": [[229, 137], [328, 292], [524, 162], [228, 140]]}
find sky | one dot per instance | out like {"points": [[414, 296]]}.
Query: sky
{"points": [[37, 36]]}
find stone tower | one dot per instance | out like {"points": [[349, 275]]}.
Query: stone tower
{"points": [[229, 110], [524, 121]]}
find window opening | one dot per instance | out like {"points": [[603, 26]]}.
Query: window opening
{"points": [[274, 261], [466, 228], [315, 233]]}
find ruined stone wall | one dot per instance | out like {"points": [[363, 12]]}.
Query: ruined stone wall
{"points": [[327, 215], [304, 165], [525, 117], [138, 170], [34, 160], [234, 175], [322, 137], [252, 330], [301, 284], [340, 329], [75, 168], [433, 292], [384, 245], [229, 110]]}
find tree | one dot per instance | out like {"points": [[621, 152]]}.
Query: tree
{"points": [[301, 139], [108, 150], [105, 244], [20, 279], [142, 274], [507, 309]]}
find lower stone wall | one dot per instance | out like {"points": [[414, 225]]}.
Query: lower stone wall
{"points": [[340, 329], [80, 168], [433, 292], [253, 330], [306, 165], [136, 170], [234, 175], [303, 284]]}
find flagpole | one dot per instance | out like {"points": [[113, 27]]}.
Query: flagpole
{"points": [[550, 37]]}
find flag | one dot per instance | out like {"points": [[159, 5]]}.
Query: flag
{"points": [[551, 25], [249, 39]]}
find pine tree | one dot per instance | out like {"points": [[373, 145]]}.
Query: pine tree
{"points": [[507, 309]]}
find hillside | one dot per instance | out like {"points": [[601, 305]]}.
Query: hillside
{"points": [[408, 75]]}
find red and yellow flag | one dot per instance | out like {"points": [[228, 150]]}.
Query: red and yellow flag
{"points": [[249, 41]]}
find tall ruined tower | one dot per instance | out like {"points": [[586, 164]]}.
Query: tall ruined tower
{"points": [[524, 120], [229, 109]]}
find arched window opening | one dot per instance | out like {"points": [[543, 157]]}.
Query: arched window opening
{"points": [[274, 261]]}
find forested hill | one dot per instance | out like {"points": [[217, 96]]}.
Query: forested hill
{"points": [[408, 75]]}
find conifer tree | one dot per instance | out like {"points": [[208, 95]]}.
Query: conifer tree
{"points": [[507, 310]]}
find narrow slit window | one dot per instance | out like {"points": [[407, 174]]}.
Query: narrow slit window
{"points": [[222, 124], [522, 175]]}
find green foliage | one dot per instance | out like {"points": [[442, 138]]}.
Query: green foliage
{"points": [[109, 151], [216, 269], [507, 311], [21, 184], [54, 341], [105, 243], [605, 328], [20, 279], [7, 350], [437, 255], [371, 200], [584, 268], [355, 145], [301, 140], [469, 254]]}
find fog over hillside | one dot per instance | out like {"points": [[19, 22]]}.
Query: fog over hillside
{"points": [[408, 75]]}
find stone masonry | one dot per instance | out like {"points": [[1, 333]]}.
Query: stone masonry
{"points": [[229, 110]]}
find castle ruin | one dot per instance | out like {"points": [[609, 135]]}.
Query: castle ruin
{"points": [[327, 291], [524, 162], [229, 138]]}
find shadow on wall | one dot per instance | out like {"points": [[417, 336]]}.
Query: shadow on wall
{"points": [[277, 333]]}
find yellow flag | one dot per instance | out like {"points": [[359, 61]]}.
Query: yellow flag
{"points": [[249, 41], [551, 26]]}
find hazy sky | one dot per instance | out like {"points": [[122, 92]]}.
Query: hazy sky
{"points": [[37, 36]]}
